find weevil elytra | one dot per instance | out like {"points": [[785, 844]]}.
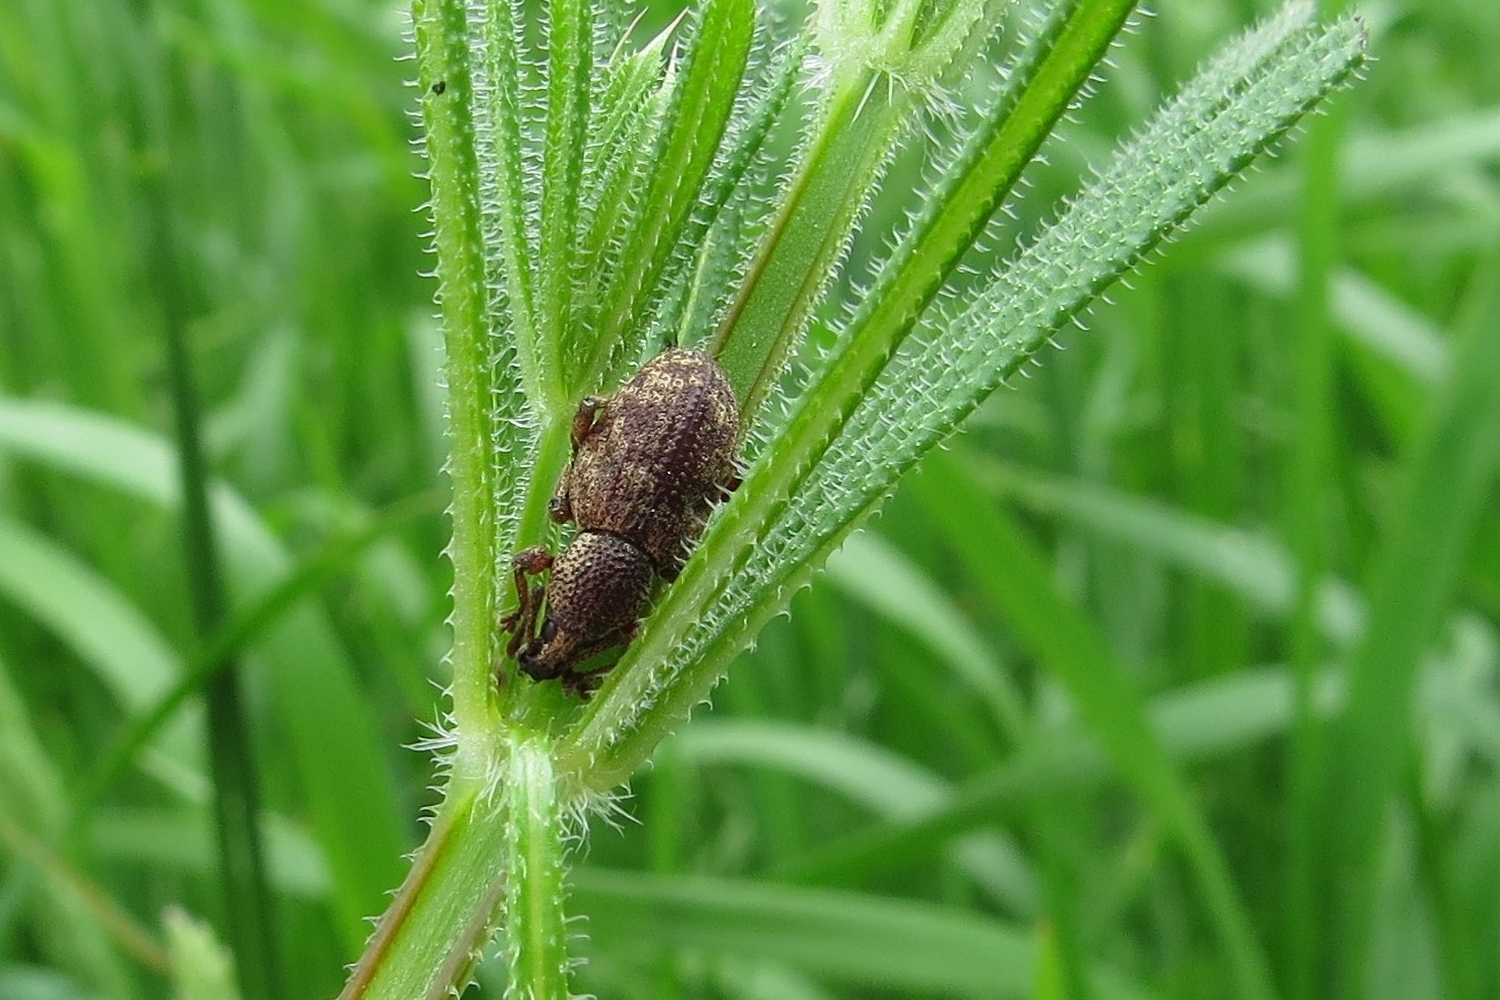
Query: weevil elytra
{"points": [[648, 463]]}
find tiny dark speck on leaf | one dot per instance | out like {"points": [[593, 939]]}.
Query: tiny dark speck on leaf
{"points": [[440, 86]]}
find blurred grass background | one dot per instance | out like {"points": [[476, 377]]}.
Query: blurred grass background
{"points": [[891, 796]]}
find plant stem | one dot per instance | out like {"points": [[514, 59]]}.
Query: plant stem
{"points": [[443, 73], [247, 898], [427, 941], [1308, 505], [535, 922]]}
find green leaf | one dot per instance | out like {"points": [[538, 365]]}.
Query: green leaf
{"points": [[350, 795], [781, 525], [889, 785], [861, 940], [1073, 651], [447, 83], [691, 131], [505, 202], [569, 52], [881, 577], [1417, 571], [638, 92]]}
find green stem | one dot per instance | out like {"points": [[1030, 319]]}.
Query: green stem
{"points": [[247, 898], [802, 250], [425, 945], [535, 923], [427, 940], [569, 59], [1308, 503], [443, 73]]}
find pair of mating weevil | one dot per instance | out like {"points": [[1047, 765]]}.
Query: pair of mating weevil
{"points": [[648, 463]]}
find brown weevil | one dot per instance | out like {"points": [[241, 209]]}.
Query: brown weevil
{"points": [[648, 463]]}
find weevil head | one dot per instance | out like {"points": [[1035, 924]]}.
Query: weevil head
{"points": [[598, 590], [547, 654]]}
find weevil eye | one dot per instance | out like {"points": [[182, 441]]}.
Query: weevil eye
{"points": [[549, 630]]}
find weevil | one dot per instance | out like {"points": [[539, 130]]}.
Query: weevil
{"points": [[648, 463]]}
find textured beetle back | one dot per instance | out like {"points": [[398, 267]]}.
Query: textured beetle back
{"points": [[647, 465], [658, 452]]}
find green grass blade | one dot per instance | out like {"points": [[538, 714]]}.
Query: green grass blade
{"points": [[1307, 457], [1368, 315], [87, 897], [32, 794], [175, 839], [349, 792], [702, 101], [241, 633], [865, 773], [1448, 479], [881, 577], [236, 776], [110, 635], [1067, 644], [1198, 723], [861, 940], [1254, 568]]}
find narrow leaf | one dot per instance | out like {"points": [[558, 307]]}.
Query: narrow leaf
{"points": [[1417, 570], [353, 805], [702, 102], [771, 537], [861, 940], [446, 82]]}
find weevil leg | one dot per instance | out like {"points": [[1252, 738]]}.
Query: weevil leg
{"points": [[560, 507], [521, 623], [534, 663], [585, 418], [583, 682]]}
